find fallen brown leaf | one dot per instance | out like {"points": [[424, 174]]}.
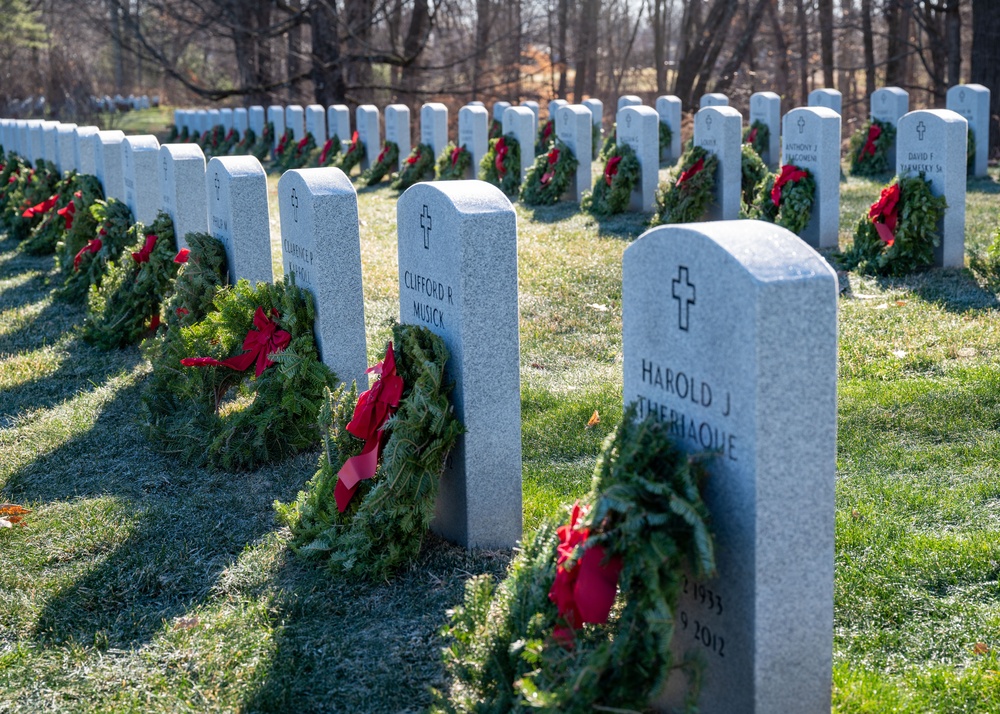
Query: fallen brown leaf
{"points": [[594, 420], [980, 648]]}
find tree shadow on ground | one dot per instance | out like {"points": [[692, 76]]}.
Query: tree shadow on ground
{"points": [[627, 226], [955, 290], [982, 184], [353, 646], [560, 211]]}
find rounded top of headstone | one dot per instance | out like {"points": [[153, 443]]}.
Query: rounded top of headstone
{"points": [[766, 95], [338, 107], [766, 252], [111, 136], [827, 91], [398, 108], [318, 182], [142, 142], [640, 109], [519, 111], [366, 108], [473, 109], [898, 91], [944, 115], [294, 107], [476, 103], [436, 106], [182, 151], [821, 112], [316, 108], [256, 107], [467, 196], [67, 128], [629, 100], [574, 109], [275, 107], [237, 166], [725, 111]]}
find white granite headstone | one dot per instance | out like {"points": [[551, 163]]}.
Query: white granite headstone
{"points": [[397, 130], [729, 339], [810, 139], [316, 123], [214, 118], [50, 141], [713, 99], [226, 118], [66, 147], [434, 126], [295, 119], [86, 150], [241, 121], [829, 98], [629, 100], [719, 129], [888, 104], [933, 142], [457, 243], [142, 185], [338, 119], [108, 163], [498, 109], [639, 127], [321, 246], [520, 122], [181, 173], [575, 129], [366, 121], [668, 107], [765, 107], [972, 101], [255, 118], [473, 134], [276, 116], [236, 191]]}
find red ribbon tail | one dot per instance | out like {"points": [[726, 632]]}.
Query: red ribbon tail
{"points": [[355, 470], [885, 234]]}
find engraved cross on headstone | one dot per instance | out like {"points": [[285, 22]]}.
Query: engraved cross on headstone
{"points": [[683, 292], [708, 121], [295, 206], [217, 186], [628, 120], [164, 168], [802, 124], [920, 130], [426, 227]]}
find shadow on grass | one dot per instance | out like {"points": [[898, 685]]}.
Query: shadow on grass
{"points": [[983, 184], [552, 214], [349, 646], [627, 226]]}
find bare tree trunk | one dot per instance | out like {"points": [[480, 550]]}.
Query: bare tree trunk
{"points": [[897, 14], [591, 84], [866, 37], [585, 44], [953, 31], [563, 23], [116, 45], [986, 60], [416, 36], [659, 47], [700, 56], [263, 44], [800, 11], [826, 40], [781, 47], [294, 61], [327, 72], [358, 15], [742, 47], [482, 40]]}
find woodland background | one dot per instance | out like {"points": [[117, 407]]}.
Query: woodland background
{"points": [[211, 52]]}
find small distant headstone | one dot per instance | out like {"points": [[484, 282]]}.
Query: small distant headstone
{"points": [[85, 150], [295, 119], [498, 109], [596, 107], [533, 106], [713, 99], [204, 124], [811, 140], [933, 142], [729, 339], [255, 118], [397, 130], [457, 243], [236, 191], [66, 147], [574, 128], [476, 103], [434, 126], [338, 118], [972, 101], [520, 122], [142, 185], [629, 100], [829, 98], [109, 163], [276, 116], [50, 141], [321, 245], [226, 117], [214, 118], [36, 131], [316, 123], [668, 107], [473, 134], [719, 130], [888, 104], [639, 127], [181, 173], [366, 120], [553, 108], [241, 121], [765, 107]]}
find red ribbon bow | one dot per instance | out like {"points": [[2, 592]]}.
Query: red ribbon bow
{"points": [[886, 208], [93, 246], [789, 174], [229, 135], [68, 213], [302, 144], [455, 153], [611, 169], [547, 129], [382, 154], [143, 255], [266, 340], [281, 143], [182, 256], [553, 157], [374, 407], [40, 208], [583, 591], [326, 149], [501, 155], [410, 160], [751, 136], [874, 132], [691, 172], [354, 143]]}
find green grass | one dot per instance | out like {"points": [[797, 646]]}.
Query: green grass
{"points": [[141, 585]]}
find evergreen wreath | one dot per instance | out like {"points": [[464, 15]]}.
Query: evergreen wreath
{"points": [[297, 153], [970, 152], [354, 155], [172, 134], [753, 172], [53, 220], [612, 190], [496, 129], [329, 155], [385, 164], [501, 166], [454, 163], [236, 418], [546, 135], [523, 644], [418, 166], [897, 235], [31, 189], [125, 307], [112, 219], [610, 142], [384, 523], [231, 139], [666, 136], [284, 149], [184, 137], [550, 177], [786, 198], [82, 225], [687, 198], [246, 143], [263, 146], [11, 170], [758, 135], [595, 141], [212, 142], [202, 273], [870, 148]]}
